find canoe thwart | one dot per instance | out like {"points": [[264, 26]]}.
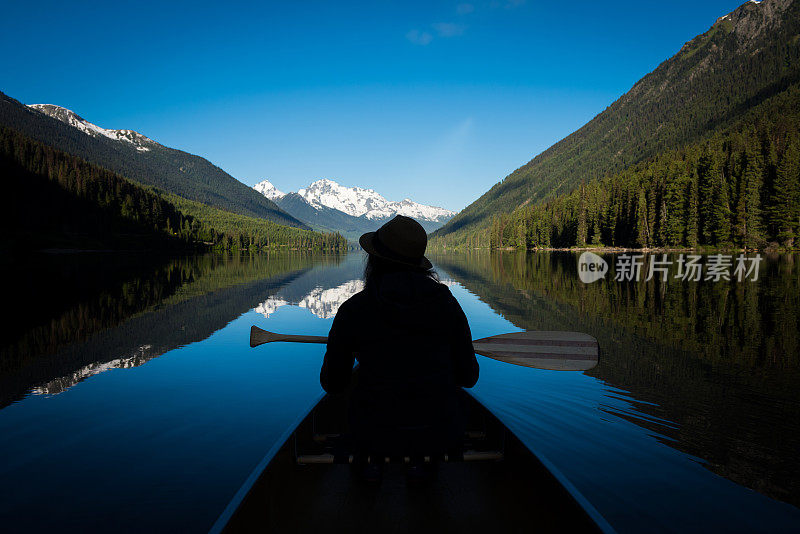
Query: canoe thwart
{"points": [[320, 459], [467, 456], [325, 438]]}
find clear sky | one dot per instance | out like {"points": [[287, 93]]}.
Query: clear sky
{"points": [[436, 101]]}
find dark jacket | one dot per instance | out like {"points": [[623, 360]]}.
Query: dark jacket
{"points": [[414, 349]]}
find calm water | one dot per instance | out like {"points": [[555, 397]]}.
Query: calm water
{"points": [[130, 400]]}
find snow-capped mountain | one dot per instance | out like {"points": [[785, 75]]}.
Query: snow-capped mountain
{"points": [[360, 202], [328, 205], [357, 201], [139, 141], [266, 188]]}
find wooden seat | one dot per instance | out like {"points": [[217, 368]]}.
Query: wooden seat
{"points": [[467, 456]]}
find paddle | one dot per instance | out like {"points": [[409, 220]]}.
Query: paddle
{"points": [[555, 351]]}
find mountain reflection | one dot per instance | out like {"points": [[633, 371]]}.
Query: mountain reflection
{"points": [[143, 309], [141, 356], [127, 311], [712, 368], [322, 302]]}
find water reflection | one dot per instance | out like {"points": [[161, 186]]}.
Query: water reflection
{"points": [[58, 385], [711, 369], [333, 287], [322, 302], [146, 395], [128, 310], [134, 393]]}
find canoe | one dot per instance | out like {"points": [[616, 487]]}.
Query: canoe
{"points": [[498, 485]]}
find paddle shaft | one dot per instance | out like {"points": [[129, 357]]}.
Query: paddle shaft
{"points": [[293, 338], [557, 352]]}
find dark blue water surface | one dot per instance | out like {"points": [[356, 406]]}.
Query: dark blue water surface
{"points": [[133, 402]]}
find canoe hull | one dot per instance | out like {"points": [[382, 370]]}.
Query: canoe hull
{"points": [[516, 494]]}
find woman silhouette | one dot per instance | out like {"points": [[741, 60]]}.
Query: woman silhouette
{"points": [[414, 349]]}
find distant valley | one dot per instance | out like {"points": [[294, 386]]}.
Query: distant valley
{"points": [[71, 184], [206, 203]]}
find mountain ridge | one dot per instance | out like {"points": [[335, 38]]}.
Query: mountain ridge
{"points": [[165, 168], [56, 199], [745, 57], [67, 116]]}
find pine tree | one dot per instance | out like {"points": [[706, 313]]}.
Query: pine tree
{"points": [[582, 225], [721, 211], [596, 239], [751, 193], [642, 228], [522, 232], [706, 173], [783, 209], [692, 206], [673, 212]]}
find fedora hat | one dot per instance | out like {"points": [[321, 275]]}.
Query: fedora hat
{"points": [[401, 240]]}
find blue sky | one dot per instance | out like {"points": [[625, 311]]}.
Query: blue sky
{"points": [[436, 101]]}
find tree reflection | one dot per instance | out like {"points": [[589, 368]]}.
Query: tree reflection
{"points": [[80, 314], [719, 360]]}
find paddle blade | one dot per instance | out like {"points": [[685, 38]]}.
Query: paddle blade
{"points": [[556, 351], [259, 336]]}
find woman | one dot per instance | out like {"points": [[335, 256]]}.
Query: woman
{"points": [[414, 349]]}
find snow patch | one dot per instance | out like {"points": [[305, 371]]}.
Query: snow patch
{"points": [[139, 141]]}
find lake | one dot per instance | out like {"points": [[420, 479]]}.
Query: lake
{"points": [[130, 400]]}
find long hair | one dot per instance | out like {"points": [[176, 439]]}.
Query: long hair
{"points": [[376, 267]]}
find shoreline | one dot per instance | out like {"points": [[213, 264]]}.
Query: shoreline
{"points": [[615, 250]]}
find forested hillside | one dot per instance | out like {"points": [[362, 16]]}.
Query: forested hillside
{"points": [[739, 187], [744, 59], [246, 232], [168, 169], [53, 199]]}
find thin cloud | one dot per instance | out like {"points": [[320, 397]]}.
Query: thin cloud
{"points": [[448, 29], [418, 37], [507, 4], [465, 9], [445, 155]]}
